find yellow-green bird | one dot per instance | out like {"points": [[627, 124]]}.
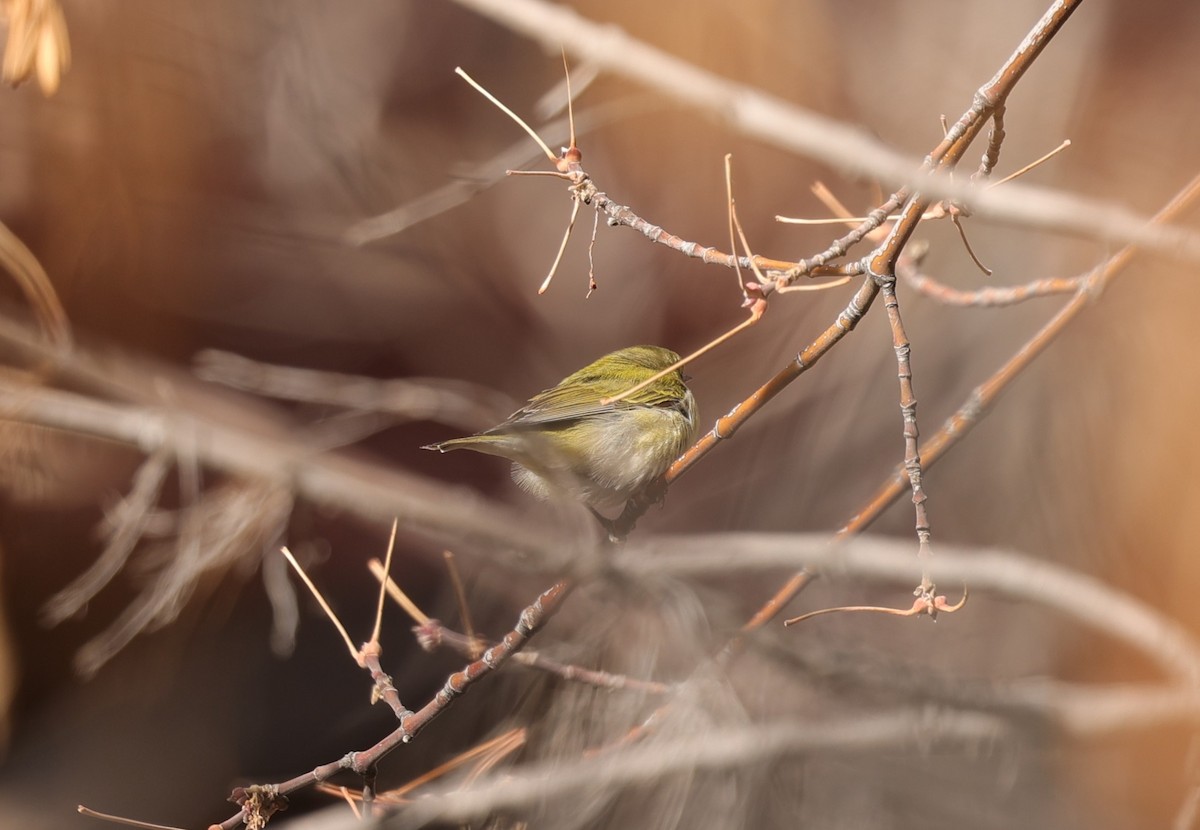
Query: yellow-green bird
{"points": [[568, 440]]}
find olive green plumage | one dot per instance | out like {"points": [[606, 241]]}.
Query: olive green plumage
{"points": [[566, 440]]}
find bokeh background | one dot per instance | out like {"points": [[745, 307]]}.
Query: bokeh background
{"points": [[191, 186]]}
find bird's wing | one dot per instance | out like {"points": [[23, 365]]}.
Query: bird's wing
{"points": [[541, 415], [563, 403], [560, 405]]}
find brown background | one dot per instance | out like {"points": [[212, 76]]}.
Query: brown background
{"points": [[189, 188]]}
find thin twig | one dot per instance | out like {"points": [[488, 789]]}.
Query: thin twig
{"points": [[474, 647], [498, 747], [333, 618], [1023, 577], [756, 312], [1035, 163], [459, 71], [924, 605], [127, 822], [991, 296], [387, 569], [732, 214], [394, 591], [956, 218], [433, 634], [344, 792], [592, 286], [556, 99], [570, 100], [561, 247], [531, 620]]}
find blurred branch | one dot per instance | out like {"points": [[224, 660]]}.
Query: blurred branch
{"points": [[476, 178], [717, 749], [238, 437], [1084, 714], [846, 148], [33, 281], [460, 404], [216, 532], [1079, 596], [37, 44], [126, 526]]}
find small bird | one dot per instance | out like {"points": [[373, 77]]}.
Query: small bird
{"points": [[567, 440]]}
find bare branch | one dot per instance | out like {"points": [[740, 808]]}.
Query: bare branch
{"points": [[241, 442], [394, 591], [129, 522], [333, 618], [1079, 596], [849, 149], [457, 403], [719, 749], [458, 70], [35, 283]]}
